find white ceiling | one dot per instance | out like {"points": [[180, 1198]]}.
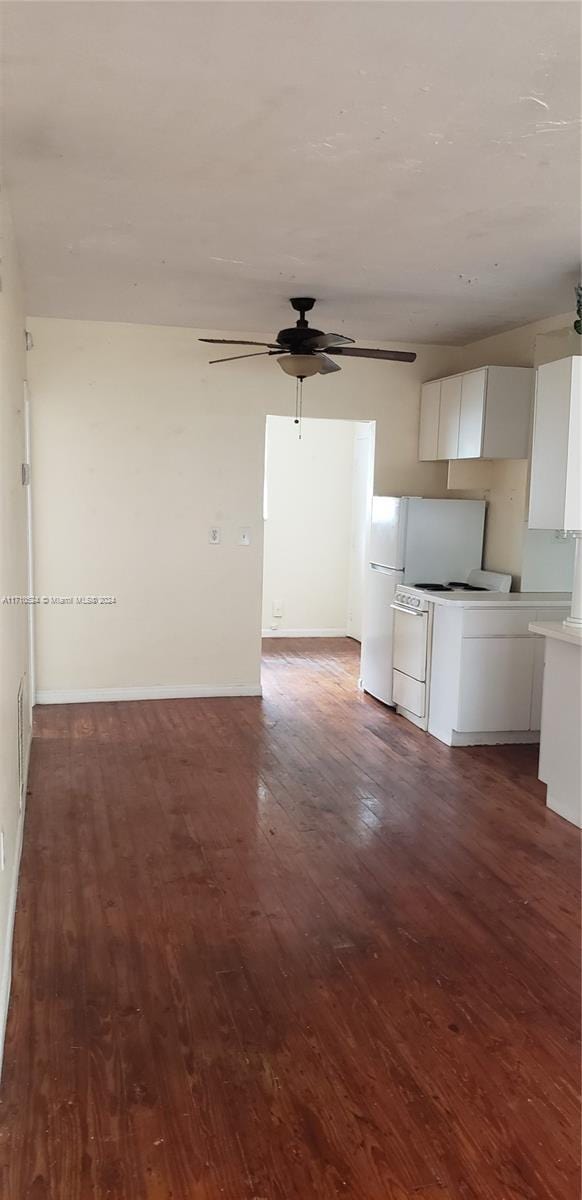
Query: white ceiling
{"points": [[416, 166]]}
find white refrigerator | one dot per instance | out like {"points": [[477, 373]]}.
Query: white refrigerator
{"points": [[412, 541]]}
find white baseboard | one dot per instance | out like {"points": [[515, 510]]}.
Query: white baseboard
{"points": [[173, 691], [504, 738], [570, 809], [305, 633], [6, 964]]}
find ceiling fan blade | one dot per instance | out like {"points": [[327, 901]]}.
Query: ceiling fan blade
{"points": [[360, 352], [237, 342], [257, 354], [327, 365], [324, 341]]}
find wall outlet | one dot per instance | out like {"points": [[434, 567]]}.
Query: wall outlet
{"points": [[244, 535], [214, 535], [277, 608], [2, 851]]}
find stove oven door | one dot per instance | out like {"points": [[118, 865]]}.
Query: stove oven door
{"points": [[410, 659]]}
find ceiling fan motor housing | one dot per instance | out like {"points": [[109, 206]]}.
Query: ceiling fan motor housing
{"points": [[295, 339]]}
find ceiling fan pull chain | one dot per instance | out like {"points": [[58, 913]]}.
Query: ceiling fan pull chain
{"points": [[296, 422], [300, 382]]}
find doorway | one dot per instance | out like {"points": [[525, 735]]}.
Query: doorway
{"points": [[317, 503]]}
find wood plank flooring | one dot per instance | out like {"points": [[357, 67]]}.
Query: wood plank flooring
{"points": [[289, 949]]}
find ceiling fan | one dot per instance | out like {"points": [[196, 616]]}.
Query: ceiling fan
{"points": [[300, 349]]}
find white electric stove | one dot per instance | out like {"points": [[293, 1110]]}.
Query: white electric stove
{"points": [[413, 617]]}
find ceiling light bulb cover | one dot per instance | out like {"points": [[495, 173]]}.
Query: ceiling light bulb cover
{"points": [[299, 365]]}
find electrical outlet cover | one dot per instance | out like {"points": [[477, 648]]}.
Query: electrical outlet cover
{"points": [[214, 535]]}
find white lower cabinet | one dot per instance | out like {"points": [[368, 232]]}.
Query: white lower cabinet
{"points": [[496, 684], [559, 614], [486, 676], [537, 683]]}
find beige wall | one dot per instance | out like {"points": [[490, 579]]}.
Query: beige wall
{"points": [[13, 581], [516, 348], [309, 524], [504, 484], [139, 447]]}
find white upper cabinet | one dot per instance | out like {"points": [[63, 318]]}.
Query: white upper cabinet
{"points": [[473, 394], [429, 420], [555, 500], [450, 407], [480, 414]]}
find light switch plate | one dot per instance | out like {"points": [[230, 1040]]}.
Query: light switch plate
{"points": [[214, 535], [244, 535], [277, 608]]}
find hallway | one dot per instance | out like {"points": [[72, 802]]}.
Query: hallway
{"points": [[289, 949]]}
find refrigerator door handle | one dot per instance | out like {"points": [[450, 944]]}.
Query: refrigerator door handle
{"points": [[386, 570]]}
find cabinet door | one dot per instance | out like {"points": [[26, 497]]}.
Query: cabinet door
{"points": [[538, 683], [430, 398], [549, 460], [508, 410], [410, 643], [573, 496], [496, 684], [544, 614], [450, 408], [472, 414]]}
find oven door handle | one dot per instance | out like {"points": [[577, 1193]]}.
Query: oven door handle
{"points": [[410, 612]]}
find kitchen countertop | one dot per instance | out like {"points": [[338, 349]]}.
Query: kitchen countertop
{"points": [[503, 599], [559, 631]]}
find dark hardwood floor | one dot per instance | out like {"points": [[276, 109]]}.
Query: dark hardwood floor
{"points": [[289, 949]]}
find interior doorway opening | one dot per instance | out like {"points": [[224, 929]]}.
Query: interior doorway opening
{"points": [[317, 504]]}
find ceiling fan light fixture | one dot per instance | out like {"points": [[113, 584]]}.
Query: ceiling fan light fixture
{"points": [[301, 366]]}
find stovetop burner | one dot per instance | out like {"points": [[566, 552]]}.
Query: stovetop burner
{"points": [[453, 586], [465, 587], [434, 587]]}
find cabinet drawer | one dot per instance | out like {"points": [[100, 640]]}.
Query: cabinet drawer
{"points": [[409, 693], [484, 623], [552, 614]]}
